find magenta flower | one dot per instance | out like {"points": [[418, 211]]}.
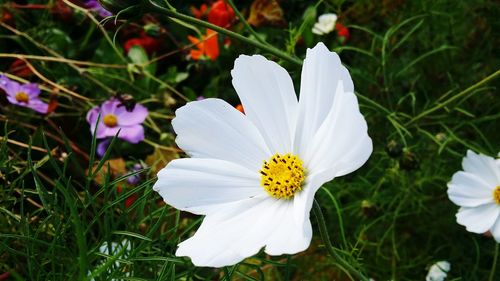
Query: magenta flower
{"points": [[116, 118], [25, 95], [96, 7], [135, 179]]}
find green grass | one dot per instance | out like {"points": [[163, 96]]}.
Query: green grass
{"points": [[426, 76]]}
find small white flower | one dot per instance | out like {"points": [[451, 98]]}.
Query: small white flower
{"points": [[438, 271], [476, 190], [254, 175], [325, 24]]}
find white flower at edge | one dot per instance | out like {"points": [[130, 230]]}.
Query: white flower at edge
{"points": [[113, 249], [438, 271], [325, 24], [249, 203], [476, 190]]}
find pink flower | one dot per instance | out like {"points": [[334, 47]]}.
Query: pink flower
{"points": [[115, 117], [25, 95]]}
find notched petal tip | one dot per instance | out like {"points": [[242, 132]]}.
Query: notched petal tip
{"points": [[245, 60]]}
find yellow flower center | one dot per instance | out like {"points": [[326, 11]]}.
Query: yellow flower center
{"points": [[22, 97], [282, 175], [496, 194], [110, 120]]}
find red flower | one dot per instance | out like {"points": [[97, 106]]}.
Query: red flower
{"points": [[221, 14], [148, 43], [129, 200], [20, 69], [6, 17], [62, 11], [207, 47], [199, 13], [342, 31]]}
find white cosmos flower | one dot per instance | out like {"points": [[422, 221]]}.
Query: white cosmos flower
{"points": [[476, 190], [438, 271], [249, 203], [325, 24]]}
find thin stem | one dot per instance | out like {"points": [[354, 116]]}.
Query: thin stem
{"points": [[339, 215], [100, 27], [245, 23], [455, 97], [494, 265], [174, 14], [328, 244], [62, 60]]}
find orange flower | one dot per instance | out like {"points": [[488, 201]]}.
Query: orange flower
{"points": [[199, 13], [239, 107], [207, 47]]}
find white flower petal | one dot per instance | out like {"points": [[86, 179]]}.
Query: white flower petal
{"points": [[266, 92], [320, 29], [292, 234], [468, 190], [303, 201], [438, 271], [483, 166], [342, 141], [242, 229], [478, 219], [327, 18], [495, 230], [321, 73], [212, 128], [325, 24], [201, 186], [241, 218]]}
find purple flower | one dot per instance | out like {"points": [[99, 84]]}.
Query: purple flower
{"points": [[95, 6], [25, 95], [102, 147], [115, 117], [133, 180]]}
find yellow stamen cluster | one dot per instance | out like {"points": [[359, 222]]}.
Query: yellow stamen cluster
{"points": [[22, 97], [496, 195], [110, 120], [282, 175]]}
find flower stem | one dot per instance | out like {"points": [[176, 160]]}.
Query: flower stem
{"points": [[455, 97], [494, 265], [268, 48], [245, 23], [331, 250]]}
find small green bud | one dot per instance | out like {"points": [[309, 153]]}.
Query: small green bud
{"points": [[152, 29], [369, 209], [408, 161], [394, 149]]}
